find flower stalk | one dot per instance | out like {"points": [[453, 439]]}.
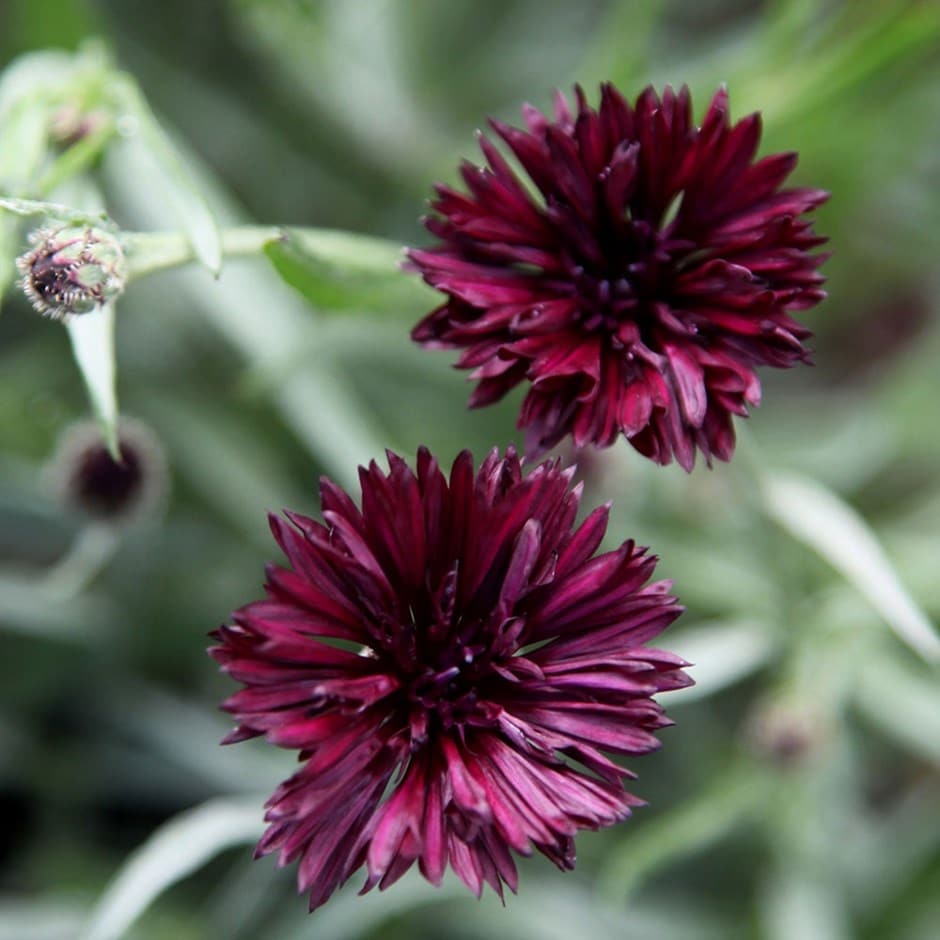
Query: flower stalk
{"points": [[152, 252]]}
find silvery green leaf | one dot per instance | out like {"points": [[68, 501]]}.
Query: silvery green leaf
{"points": [[54, 210], [168, 173], [334, 274], [801, 903], [177, 848], [721, 653], [819, 518], [9, 244], [92, 336], [902, 702], [23, 138]]}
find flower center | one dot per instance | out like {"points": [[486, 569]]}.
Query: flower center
{"points": [[445, 692], [634, 271]]}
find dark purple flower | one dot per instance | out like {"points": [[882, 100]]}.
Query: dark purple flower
{"points": [[635, 288], [441, 658]]}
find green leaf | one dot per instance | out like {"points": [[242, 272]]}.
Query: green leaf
{"points": [[335, 271], [9, 243], [168, 172], [54, 210], [30, 76], [175, 850], [216, 454], [23, 141], [819, 518], [798, 903], [92, 336], [78, 158], [721, 653], [904, 703]]}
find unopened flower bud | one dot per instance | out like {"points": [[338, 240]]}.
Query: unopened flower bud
{"points": [[71, 269], [88, 480], [71, 124]]}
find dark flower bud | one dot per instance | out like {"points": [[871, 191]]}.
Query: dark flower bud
{"points": [[71, 269], [88, 480]]}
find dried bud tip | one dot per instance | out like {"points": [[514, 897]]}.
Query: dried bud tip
{"points": [[71, 269]]}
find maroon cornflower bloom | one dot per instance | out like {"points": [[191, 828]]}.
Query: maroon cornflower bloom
{"points": [[636, 294], [440, 658]]}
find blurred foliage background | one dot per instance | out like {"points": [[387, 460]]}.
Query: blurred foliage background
{"points": [[799, 794]]}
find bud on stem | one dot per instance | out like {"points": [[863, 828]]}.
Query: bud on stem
{"points": [[71, 269]]}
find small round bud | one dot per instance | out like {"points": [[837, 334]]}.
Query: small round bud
{"points": [[71, 124], [88, 480], [785, 733], [71, 269]]}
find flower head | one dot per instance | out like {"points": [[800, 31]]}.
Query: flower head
{"points": [[635, 289], [440, 658], [71, 269], [90, 481]]}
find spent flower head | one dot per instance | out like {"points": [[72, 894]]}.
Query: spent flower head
{"points": [[71, 269], [456, 667], [635, 290]]}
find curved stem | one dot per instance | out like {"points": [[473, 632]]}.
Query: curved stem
{"points": [[92, 549]]}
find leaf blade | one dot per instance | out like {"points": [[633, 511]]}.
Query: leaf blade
{"points": [[820, 519], [170, 173], [177, 848], [92, 338]]}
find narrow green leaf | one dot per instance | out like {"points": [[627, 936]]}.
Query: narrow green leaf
{"points": [[78, 158], [55, 210], [333, 273], [92, 336], [169, 174], [266, 322], [349, 250], [24, 132], [32, 74], [799, 903], [819, 518], [903, 703], [721, 653], [215, 453], [175, 850], [9, 243], [322, 408]]}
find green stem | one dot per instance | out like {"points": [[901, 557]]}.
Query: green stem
{"points": [[149, 252]]}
